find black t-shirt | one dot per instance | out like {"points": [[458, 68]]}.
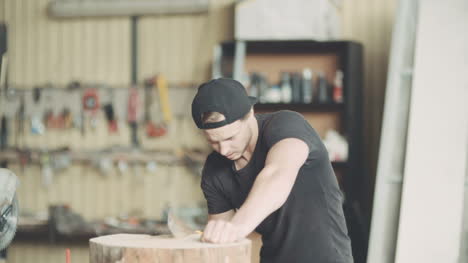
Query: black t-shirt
{"points": [[310, 226]]}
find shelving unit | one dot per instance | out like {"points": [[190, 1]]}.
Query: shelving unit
{"points": [[301, 107], [273, 57]]}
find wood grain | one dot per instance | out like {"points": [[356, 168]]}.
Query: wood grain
{"points": [[131, 248]]}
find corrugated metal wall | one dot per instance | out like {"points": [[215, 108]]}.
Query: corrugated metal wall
{"points": [[45, 49], [98, 50]]}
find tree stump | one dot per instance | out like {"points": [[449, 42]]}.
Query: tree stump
{"points": [[129, 248]]}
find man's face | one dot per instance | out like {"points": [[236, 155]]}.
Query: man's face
{"points": [[230, 140]]}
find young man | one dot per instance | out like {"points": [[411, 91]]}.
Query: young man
{"points": [[268, 173]]}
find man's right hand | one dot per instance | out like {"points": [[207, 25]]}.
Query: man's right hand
{"points": [[220, 231]]}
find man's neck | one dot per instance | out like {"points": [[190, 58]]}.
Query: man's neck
{"points": [[247, 155]]}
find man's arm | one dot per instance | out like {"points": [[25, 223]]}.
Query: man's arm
{"points": [[220, 219], [269, 192], [226, 216]]}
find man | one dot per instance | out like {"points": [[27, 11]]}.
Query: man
{"points": [[268, 173]]}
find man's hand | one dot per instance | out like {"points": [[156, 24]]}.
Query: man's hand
{"points": [[220, 231]]}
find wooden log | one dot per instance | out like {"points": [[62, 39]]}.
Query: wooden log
{"points": [[130, 248]]}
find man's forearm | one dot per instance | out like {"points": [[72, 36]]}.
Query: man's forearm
{"points": [[269, 192]]}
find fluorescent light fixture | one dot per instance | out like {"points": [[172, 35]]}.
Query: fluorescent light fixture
{"points": [[94, 8]]}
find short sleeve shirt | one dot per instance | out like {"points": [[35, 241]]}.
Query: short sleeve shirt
{"points": [[310, 226]]}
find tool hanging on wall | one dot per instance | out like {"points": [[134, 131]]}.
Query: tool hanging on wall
{"points": [[36, 94], [132, 115], [51, 121], [3, 133], [91, 105], [46, 170], [164, 98], [37, 126], [110, 116], [74, 88], [50, 118], [66, 118], [108, 108], [152, 129], [20, 116]]}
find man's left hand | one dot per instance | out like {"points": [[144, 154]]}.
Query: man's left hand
{"points": [[220, 231]]}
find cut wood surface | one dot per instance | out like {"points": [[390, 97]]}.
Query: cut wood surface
{"points": [[130, 248]]}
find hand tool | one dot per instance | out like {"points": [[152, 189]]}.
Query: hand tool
{"points": [[79, 118], [178, 228], [91, 105], [132, 114], [163, 89], [36, 95], [110, 116], [49, 119], [66, 118], [152, 129], [20, 121], [3, 133], [109, 112], [37, 126]]}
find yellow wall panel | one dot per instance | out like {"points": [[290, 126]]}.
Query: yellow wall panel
{"points": [[45, 49], [371, 22]]}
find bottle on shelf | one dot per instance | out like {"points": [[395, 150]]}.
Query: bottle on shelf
{"points": [[274, 94], [296, 87], [259, 87], [338, 87], [323, 93], [254, 85], [286, 90], [307, 86]]}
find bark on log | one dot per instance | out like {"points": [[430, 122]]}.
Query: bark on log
{"points": [[129, 248]]}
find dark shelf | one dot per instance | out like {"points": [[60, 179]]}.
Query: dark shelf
{"points": [[288, 46], [300, 107], [258, 56]]}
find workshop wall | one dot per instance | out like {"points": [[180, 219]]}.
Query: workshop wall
{"points": [[44, 50], [371, 23], [97, 50]]}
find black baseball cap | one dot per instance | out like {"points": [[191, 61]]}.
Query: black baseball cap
{"points": [[223, 95]]}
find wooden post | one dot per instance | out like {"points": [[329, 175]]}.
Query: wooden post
{"points": [[129, 248]]}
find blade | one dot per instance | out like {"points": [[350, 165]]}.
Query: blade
{"points": [[178, 228], [8, 207], [9, 223], [8, 184]]}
